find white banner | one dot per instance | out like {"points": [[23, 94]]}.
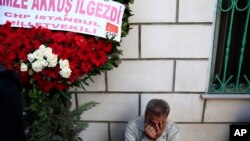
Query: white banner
{"points": [[101, 18]]}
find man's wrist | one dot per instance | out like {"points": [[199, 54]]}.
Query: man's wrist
{"points": [[150, 137]]}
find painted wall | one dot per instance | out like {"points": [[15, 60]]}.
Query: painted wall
{"points": [[166, 55]]}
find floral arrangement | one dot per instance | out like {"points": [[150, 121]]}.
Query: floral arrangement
{"points": [[39, 52], [49, 63]]}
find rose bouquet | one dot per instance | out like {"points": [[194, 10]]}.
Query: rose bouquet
{"points": [[49, 63]]}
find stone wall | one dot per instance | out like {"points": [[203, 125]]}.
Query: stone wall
{"points": [[166, 55]]}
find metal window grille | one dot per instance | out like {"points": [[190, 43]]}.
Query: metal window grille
{"points": [[230, 71]]}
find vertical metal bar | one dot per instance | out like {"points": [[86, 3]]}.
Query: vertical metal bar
{"points": [[232, 7], [243, 45]]}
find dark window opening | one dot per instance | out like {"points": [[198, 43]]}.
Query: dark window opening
{"points": [[233, 73]]}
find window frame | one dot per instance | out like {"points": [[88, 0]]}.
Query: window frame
{"points": [[214, 60]]}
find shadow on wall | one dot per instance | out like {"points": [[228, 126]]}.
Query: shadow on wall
{"points": [[242, 119], [244, 115], [117, 131]]}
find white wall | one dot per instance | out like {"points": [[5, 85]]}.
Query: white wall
{"points": [[166, 55]]}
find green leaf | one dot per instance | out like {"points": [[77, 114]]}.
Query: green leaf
{"points": [[31, 72], [67, 95], [75, 114]]}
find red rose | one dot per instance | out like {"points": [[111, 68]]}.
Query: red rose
{"points": [[98, 58], [86, 67]]}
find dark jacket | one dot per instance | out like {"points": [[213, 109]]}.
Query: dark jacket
{"points": [[11, 118]]}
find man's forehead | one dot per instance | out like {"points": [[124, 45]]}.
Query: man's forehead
{"points": [[152, 115]]}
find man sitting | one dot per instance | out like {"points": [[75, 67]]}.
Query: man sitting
{"points": [[153, 126]]}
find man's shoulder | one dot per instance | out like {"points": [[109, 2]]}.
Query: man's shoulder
{"points": [[137, 123], [172, 126], [136, 120], [171, 123]]}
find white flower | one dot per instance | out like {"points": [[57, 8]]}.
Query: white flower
{"points": [[24, 67], [44, 57], [47, 51], [65, 69], [31, 57], [52, 60], [64, 63], [38, 54], [43, 62], [37, 66], [41, 47], [65, 73]]}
